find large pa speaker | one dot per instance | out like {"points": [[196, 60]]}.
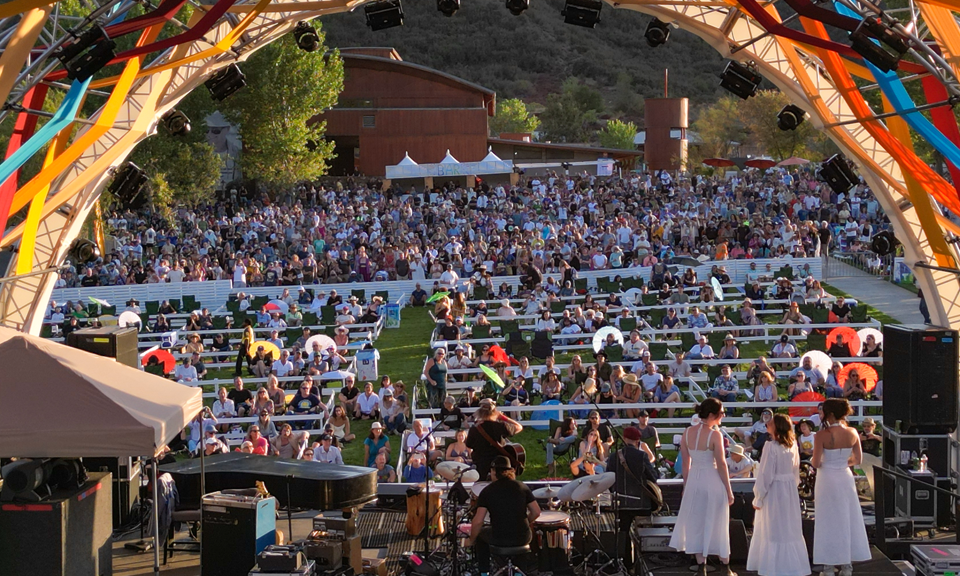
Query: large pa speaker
{"points": [[920, 387], [126, 474], [110, 341], [68, 534]]}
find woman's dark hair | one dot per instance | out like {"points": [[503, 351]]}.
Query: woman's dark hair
{"points": [[709, 407], [839, 408], [370, 435], [567, 424], [783, 430]]}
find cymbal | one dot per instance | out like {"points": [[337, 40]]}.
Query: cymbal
{"points": [[478, 487], [566, 492], [470, 476], [593, 486], [450, 470], [547, 493]]}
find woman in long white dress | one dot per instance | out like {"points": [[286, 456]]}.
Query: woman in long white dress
{"points": [[703, 524], [778, 547], [839, 535]]}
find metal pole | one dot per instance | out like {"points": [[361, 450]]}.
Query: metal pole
{"points": [[156, 517]]}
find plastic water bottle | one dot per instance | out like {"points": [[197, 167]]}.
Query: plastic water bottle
{"points": [[923, 463]]}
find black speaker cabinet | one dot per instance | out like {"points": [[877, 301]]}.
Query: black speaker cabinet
{"points": [[920, 387], [126, 483], [68, 534], [109, 341]]}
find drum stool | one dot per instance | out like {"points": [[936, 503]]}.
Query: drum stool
{"points": [[507, 554]]}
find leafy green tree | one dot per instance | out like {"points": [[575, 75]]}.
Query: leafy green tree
{"points": [[286, 87], [718, 125], [513, 116], [564, 120], [625, 97], [618, 134], [587, 98]]}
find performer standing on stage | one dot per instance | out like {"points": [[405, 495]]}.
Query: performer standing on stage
{"points": [[633, 464], [839, 535], [703, 524], [778, 548], [512, 510], [497, 427]]}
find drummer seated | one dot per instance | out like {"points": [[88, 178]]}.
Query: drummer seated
{"points": [[416, 469]]}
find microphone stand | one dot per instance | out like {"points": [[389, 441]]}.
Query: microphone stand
{"points": [[617, 445]]}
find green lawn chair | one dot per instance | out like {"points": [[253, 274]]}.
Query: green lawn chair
{"points": [[328, 314], [361, 295], [817, 342], [219, 322], [614, 353], [658, 350], [175, 302], [628, 324], [292, 334], [480, 293], [152, 307], [650, 300], [481, 331], [310, 319], [580, 285], [558, 307], [190, 303], [509, 326], [859, 313], [233, 306], [383, 294], [715, 339]]}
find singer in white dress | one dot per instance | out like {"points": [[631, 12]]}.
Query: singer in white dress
{"points": [[778, 547], [703, 524], [839, 535]]}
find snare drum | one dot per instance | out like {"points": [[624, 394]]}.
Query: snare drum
{"points": [[553, 540]]}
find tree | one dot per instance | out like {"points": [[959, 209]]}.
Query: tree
{"points": [[718, 125], [618, 134], [286, 87], [758, 115], [586, 97], [563, 119], [625, 97], [513, 116]]}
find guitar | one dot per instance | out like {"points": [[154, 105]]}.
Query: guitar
{"points": [[516, 454]]}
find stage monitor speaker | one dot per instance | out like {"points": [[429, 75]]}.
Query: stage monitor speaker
{"points": [[920, 388], [235, 530], [68, 534], [110, 341], [739, 543]]}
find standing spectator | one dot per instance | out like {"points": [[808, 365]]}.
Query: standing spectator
{"points": [[436, 373]]}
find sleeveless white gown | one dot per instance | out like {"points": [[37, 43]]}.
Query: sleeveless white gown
{"points": [[778, 547], [839, 535], [703, 524]]}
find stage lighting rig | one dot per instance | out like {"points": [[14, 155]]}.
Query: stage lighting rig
{"points": [[384, 14], [584, 13], [657, 33], [838, 174], [224, 83], [790, 117], [89, 53], [306, 36], [740, 79], [862, 41], [83, 251], [176, 123]]}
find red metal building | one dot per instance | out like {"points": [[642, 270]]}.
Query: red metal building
{"points": [[389, 107], [667, 122]]}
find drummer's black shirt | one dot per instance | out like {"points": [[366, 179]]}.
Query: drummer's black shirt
{"points": [[506, 501]]}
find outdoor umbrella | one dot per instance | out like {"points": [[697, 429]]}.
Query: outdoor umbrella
{"points": [[268, 349], [717, 288], [864, 332], [437, 296], [804, 411], [793, 161], [819, 360], [277, 306], [325, 342], [719, 162], [601, 336], [499, 354], [684, 261], [129, 318], [865, 371], [492, 375], [165, 358], [761, 163], [849, 335]]}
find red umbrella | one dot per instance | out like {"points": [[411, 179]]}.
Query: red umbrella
{"points": [[793, 161], [165, 358], [804, 411], [865, 371], [719, 162], [499, 354], [272, 307], [761, 163], [850, 337]]}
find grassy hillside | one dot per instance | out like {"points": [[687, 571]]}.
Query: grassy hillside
{"points": [[529, 56]]}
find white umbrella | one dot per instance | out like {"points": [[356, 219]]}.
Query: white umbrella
{"points": [[601, 336], [129, 318], [717, 289], [325, 342], [819, 360], [634, 296], [278, 306]]}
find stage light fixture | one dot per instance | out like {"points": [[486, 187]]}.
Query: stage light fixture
{"points": [[790, 117], [740, 79], [83, 251], [517, 7], [584, 13], [306, 36], [657, 33], [384, 14], [886, 59], [176, 123], [448, 7], [128, 186], [87, 55], [838, 175], [225, 82], [884, 243]]}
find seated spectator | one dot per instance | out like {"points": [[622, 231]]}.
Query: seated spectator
{"points": [[167, 308], [679, 367], [375, 444], [593, 456], [260, 363], [304, 403], [806, 439], [756, 432], [871, 348], [748, 317], [213, 446], [505, 310], [669, 322], [834, 389], [469, 398], [185, 373], [793, 316], [242, 399], [765, 389], [392, 412], [514, 394], [840, 348], [259, 443], [277, 395], [282, 366], [648, 432], [701, 350], [854, 388], [667, 392], [276, 340], [550, 387], [327, 453], [841, 311], [267, 428], [193, 344], [725, 387], [246, 447], [729, 350], [220, 343], [458, 451], [650, 379], [345, 317], [223, 408], [451, 417], [419, 296], [739, 464], [348, 395], [799, 385], [570, 327], [288, 444], [698, 320], [546, 322], [448, 331], [564, 435], [813, 375], [385, 472], [607, 396], [340, 425], [869, 440], [368, 404], [416, 469], [294, 317], [784, 348], [634, 347], [198, 365], [421, 441]]}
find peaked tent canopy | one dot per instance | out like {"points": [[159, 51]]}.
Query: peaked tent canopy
{"points": [[58, 401]]}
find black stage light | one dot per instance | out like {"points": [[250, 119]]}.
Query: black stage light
{"points": [[128, 186], [657, 33], [176, 123], [584, 13], [87, 55], [740, 79], [517, 7], [861, 40], [790, 117], [306, 36], [836, 172], [83, 251], [384, 14], [448, 7], [884, 243], [225, 82]]}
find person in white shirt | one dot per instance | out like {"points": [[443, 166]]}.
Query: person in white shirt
{"points": [[650, 380], [739, 464], [185, 373], [326, 452], [282, 366], [368, 404], [449, 278], [223, 407], [505, 311], [701, 350], [784, 348], [634, 347]]}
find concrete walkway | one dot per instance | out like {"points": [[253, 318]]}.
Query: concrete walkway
{"points": [[885, 296]]}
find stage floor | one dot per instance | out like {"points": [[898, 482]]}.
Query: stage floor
{"points": [[879, 565]]}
